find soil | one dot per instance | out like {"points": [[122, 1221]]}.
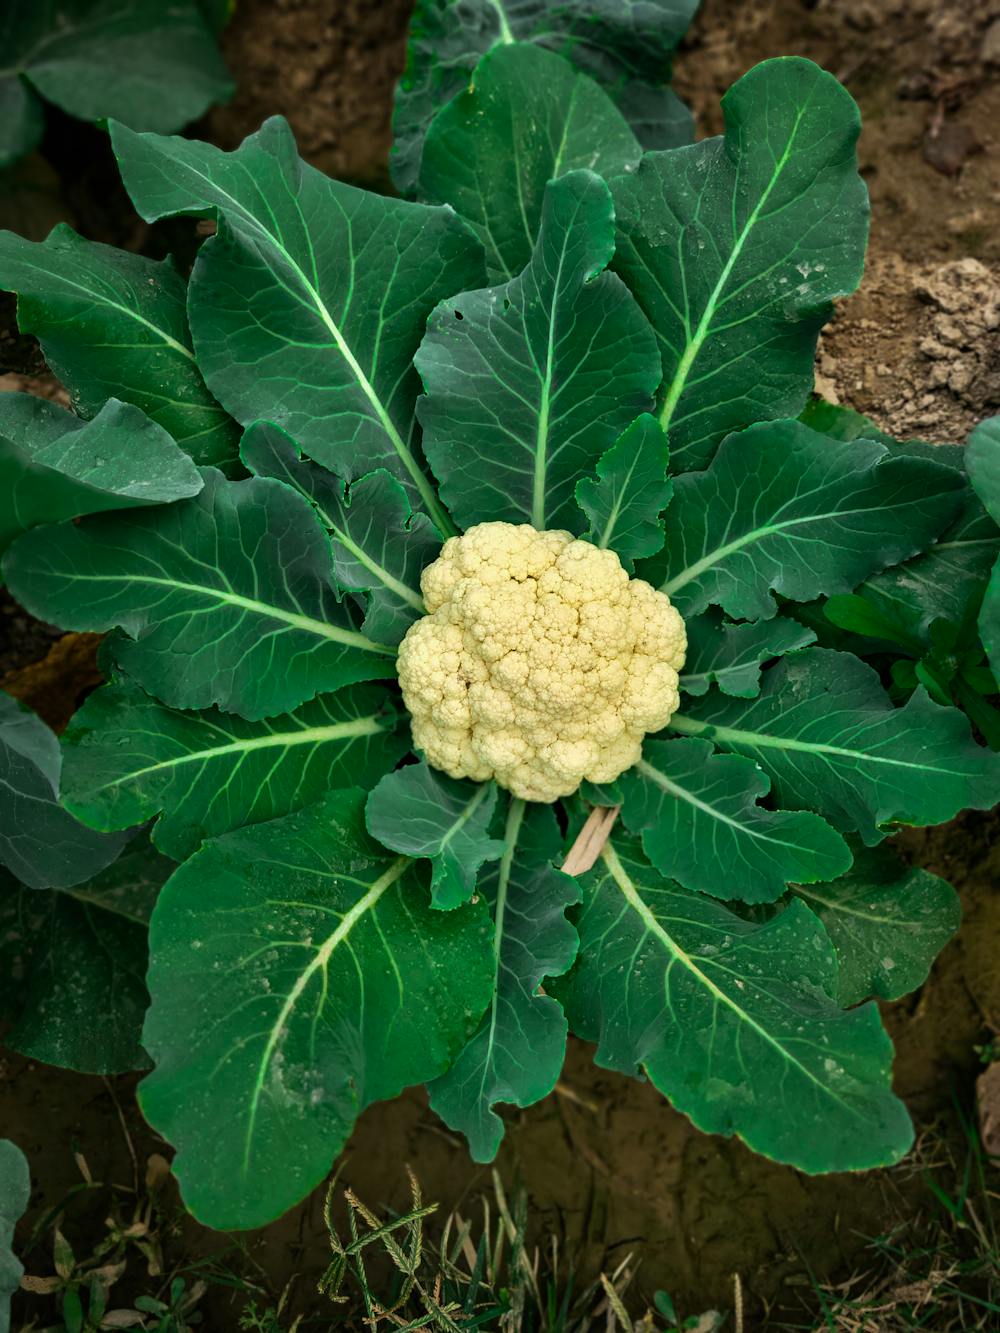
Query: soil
{"points": [[609, 1167]]}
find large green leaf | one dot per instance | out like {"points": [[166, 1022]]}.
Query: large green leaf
{"points": [[782, 510], [307, 307], [631, 491], [15, 1191], [380, 547], [423, 812], [152, 65], [73, 965], [732, 656], [702, 824], [736, 248], [983, 452], [734, 1022], [517, 1053], [114, 325], [529, 383], [626, 47], [40, 843], [55, 466], [127, 758], [824, 731], [298, 974], [227, 597], [888, 923], [527, 118]]}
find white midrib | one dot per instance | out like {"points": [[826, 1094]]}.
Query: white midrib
{"points": [[322, 957], [616, 508], [542, 433], [349, 638], [721, 553], [671, 788], [401, 589], [701, 333], [506, 36], [357, 727], [690, 727], [653, 927], [515, 815], [845, 909], [424, 488]]}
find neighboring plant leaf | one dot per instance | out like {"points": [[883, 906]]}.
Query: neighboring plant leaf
{"points": [[40, 843], [227, 597], [332, 984], [732, 656], [627, 49], [732, 1021], [22, 124], [55, 466], [517, 1053], [527, 118], [736, 248], [128, 758], [114, 324], [528, 384], [15, 1192], [380, 546], [327, 292], [632, 490], [152, 65], [888, 923], [781, 510], [841, 423], [702, 824], [423, 812], [73, 965], [825, 732], [983, 452]]}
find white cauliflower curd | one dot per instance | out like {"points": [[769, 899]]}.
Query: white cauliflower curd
{"points": [[540, 662]]}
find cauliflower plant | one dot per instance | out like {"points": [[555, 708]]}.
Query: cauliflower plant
{"points": [[540, 662]]}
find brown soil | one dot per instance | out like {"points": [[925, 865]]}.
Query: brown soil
{"points": [[610, 1168]]}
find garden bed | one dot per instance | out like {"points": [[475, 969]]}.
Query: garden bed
{"points": [[610, 1169]]}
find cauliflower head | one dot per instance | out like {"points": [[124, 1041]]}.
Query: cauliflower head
{"points": [[540, 662]]}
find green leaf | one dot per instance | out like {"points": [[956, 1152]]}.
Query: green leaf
{"points": [[227, 598], [73, 966], [733, 1021], [40, 843], [702, 824], [380, 547], [423, 812], [736, 248], [114, 324], [824, 731], [888, 923], [527, 118], [151, 65], [856, 614], [15, 1192], [632, 490], [517, 1053], [983, 455], [298, 975], [128, 758], [55, 466], [841, 423], [626, 50], [731, 656], [308, 305], [782, 510], [529, 383], [22, 124]]}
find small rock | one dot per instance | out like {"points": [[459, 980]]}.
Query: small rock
{"points": [[947, 150], [988, 1103], [990, 49]]}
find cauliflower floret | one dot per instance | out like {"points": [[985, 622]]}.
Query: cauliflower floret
{"points": [[540, 662]]}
